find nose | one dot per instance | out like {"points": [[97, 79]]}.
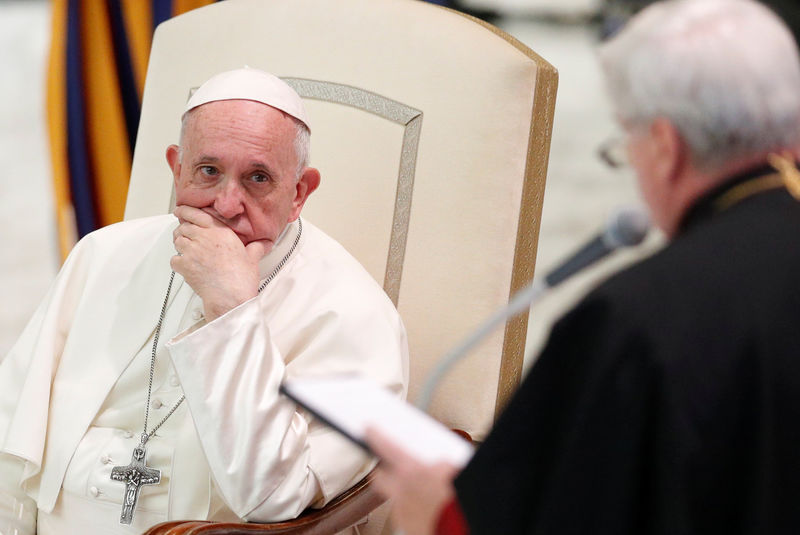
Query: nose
{"points": [[229, 201]]}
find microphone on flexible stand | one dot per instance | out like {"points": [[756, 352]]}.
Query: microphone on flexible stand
{"points": [[625, 228]]}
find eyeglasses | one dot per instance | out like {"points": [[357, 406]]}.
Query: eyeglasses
{"points": [[613, 151]]}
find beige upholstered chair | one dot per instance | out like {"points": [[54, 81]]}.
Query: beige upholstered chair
{"points": [[432, 132]]}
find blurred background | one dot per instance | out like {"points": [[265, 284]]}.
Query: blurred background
{"points": [[580, 195]]}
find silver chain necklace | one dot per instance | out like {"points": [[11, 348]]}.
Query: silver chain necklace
{"points": [[136, 474]]}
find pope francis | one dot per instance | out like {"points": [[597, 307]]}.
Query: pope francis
{"points": [[145, 387]]}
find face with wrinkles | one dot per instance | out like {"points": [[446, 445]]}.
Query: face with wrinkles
{"points": [[238, 164]]}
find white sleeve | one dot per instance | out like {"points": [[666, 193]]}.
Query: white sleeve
{"points": [[269, 460], [17, 510], [26, 372]]}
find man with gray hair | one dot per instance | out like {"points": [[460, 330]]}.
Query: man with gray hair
{"points": [[140, 393], [667, 401]]}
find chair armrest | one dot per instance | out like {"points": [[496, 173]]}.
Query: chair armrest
{"points": [[174, 527], [344, 511]]}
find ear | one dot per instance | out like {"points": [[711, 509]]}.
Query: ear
{"points": [[306, 184], [669, 150], [174, 161]]}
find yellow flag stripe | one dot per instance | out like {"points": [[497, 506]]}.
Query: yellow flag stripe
{"points": [[57, 128], [182, 6], [106, 131], [139, 27]]}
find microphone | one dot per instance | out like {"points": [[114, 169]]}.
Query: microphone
{"points": [[625, 228]]}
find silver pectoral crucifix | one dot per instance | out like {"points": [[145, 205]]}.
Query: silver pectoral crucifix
{"points": [[134, 475]]}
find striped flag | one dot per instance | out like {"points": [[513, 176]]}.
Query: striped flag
{"points": [[96, 72]]}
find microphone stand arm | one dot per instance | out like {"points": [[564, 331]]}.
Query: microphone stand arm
{"points": [[521, 301]]}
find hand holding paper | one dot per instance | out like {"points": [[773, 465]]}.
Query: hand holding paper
{"points": [[418, 491]]}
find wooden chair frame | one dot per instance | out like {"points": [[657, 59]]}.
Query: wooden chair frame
{"points": [[341, 513]]}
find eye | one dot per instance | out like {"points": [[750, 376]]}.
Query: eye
{"points": [[260, 177], [209, 170]]}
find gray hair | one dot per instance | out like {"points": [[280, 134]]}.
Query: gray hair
{"points": [[726, 73], [302, 141], [302, 146]]}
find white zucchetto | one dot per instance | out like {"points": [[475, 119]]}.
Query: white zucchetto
{"points": [[250, 84]]}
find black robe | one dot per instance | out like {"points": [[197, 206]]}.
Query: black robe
{"points": [[668, 401]]}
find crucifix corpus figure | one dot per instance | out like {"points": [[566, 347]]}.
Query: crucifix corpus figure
{"points": [[134, 476]]}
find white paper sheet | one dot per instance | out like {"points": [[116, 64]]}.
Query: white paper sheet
{"points": [[350, 404]]}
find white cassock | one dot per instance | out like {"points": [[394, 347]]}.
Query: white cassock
{"points": [[73, 388]]}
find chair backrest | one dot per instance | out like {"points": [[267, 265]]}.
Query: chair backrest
{"points": [[432, 132]]}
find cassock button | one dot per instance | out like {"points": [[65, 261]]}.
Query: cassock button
{"points": [[94, 491], [197, 314], [127, 434], [157, 404], [105, 459], [174, 380]]}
